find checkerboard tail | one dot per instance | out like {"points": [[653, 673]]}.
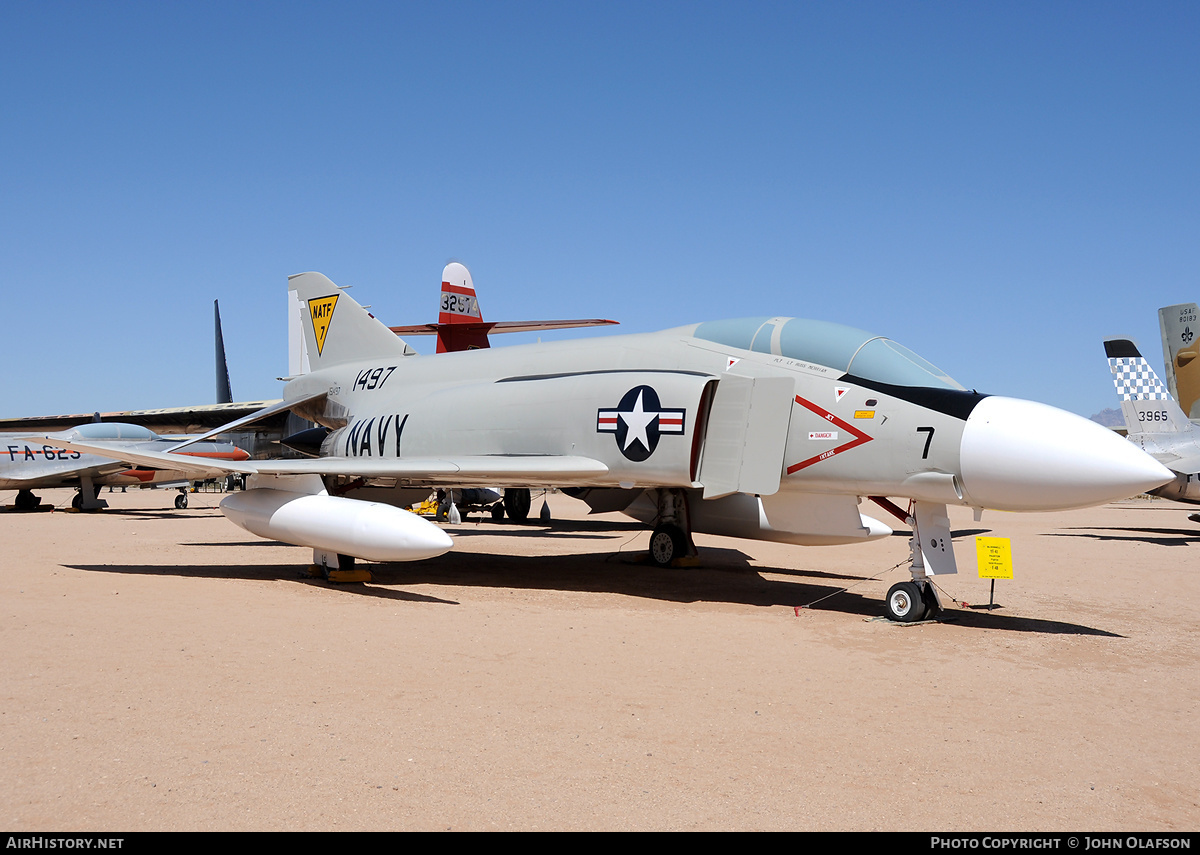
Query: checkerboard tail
{"points": [[1145, 402]]}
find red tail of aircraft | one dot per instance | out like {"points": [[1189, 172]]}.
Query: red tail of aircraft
{"points": [[460, 325]]}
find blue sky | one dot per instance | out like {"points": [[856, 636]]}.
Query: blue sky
{"points": [[996, 185]]}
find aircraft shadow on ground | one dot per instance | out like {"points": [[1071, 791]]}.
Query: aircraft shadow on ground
{"points": [[258, 572], [985, 619], [1156, 536], [724, 576]]}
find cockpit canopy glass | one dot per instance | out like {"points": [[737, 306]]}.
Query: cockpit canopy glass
{"points": [[847, 349], [110, 430]]}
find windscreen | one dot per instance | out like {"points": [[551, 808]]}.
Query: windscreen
{"points": [[834, 345]]}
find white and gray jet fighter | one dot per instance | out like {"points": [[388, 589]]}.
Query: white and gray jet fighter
{"points": [[772, 428]]}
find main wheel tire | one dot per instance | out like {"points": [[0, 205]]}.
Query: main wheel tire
{"points": [[26, 501], [517, 502], [905, 602], [498, 511], [667, 543], [77, 502]]}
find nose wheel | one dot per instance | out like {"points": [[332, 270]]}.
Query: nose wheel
{"points": [[906, 602], [932, 554]]}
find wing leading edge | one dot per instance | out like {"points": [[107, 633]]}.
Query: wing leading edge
{"points": [[481, 470]]}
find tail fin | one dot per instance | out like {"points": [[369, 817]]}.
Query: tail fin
{"points": [[1145, 402], [459, 317], [337, 329], [224, 390], [1181, 347]]}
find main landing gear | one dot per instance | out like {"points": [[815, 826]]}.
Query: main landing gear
{"points": [[26, 501], [517, 502], [671, 543], [88, 497], [181, 500], [932, 554]]}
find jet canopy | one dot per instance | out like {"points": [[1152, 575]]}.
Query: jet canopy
{"points": [[109, 430], [872, 357]]}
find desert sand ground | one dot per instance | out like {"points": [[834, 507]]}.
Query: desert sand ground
{"points": [[165, 670]]}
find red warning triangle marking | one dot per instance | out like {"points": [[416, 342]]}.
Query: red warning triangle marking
{"points": [[859, 437]]}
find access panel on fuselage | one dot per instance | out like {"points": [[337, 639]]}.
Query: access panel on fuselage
{"points": [[746, 435]]}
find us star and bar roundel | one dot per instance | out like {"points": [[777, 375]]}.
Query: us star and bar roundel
{"points": [[638, 421], [320, 309]]}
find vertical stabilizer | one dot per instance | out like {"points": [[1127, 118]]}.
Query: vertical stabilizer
{"points": [[459, 317], [336, 329], [1181, 354], [1145, 402], [224, 390]]}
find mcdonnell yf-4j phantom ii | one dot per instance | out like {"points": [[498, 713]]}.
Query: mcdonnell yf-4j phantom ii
{"points": [[772, 428]]}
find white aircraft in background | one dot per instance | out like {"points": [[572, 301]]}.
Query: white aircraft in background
{"points": [[26, 466]]}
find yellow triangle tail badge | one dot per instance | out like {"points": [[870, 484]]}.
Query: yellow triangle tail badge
{"points": [[321, 311]]}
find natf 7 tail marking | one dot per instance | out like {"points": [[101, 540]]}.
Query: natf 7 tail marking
{"points": [[320, 309]]}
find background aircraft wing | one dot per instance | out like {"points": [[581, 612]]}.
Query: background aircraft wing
{"points": [[272, 410], [503, 326], [169, 421]]}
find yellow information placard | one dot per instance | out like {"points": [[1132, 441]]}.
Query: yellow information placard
{"points": [[995, 557]]}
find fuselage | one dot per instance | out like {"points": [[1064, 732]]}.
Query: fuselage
{"points": [[759, 406]]}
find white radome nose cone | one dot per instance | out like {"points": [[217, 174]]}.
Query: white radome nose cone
{"points": [[1023, 456]]}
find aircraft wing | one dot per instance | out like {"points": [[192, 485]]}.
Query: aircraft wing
{"points": [[273, 408], [478, 470], [165, 421], [504, 326], [194, 467]]}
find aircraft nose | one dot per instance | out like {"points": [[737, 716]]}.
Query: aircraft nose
{"points": [[1023, 456]]}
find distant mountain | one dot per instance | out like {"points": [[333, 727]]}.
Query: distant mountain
{"points": [[1109, 418]]}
